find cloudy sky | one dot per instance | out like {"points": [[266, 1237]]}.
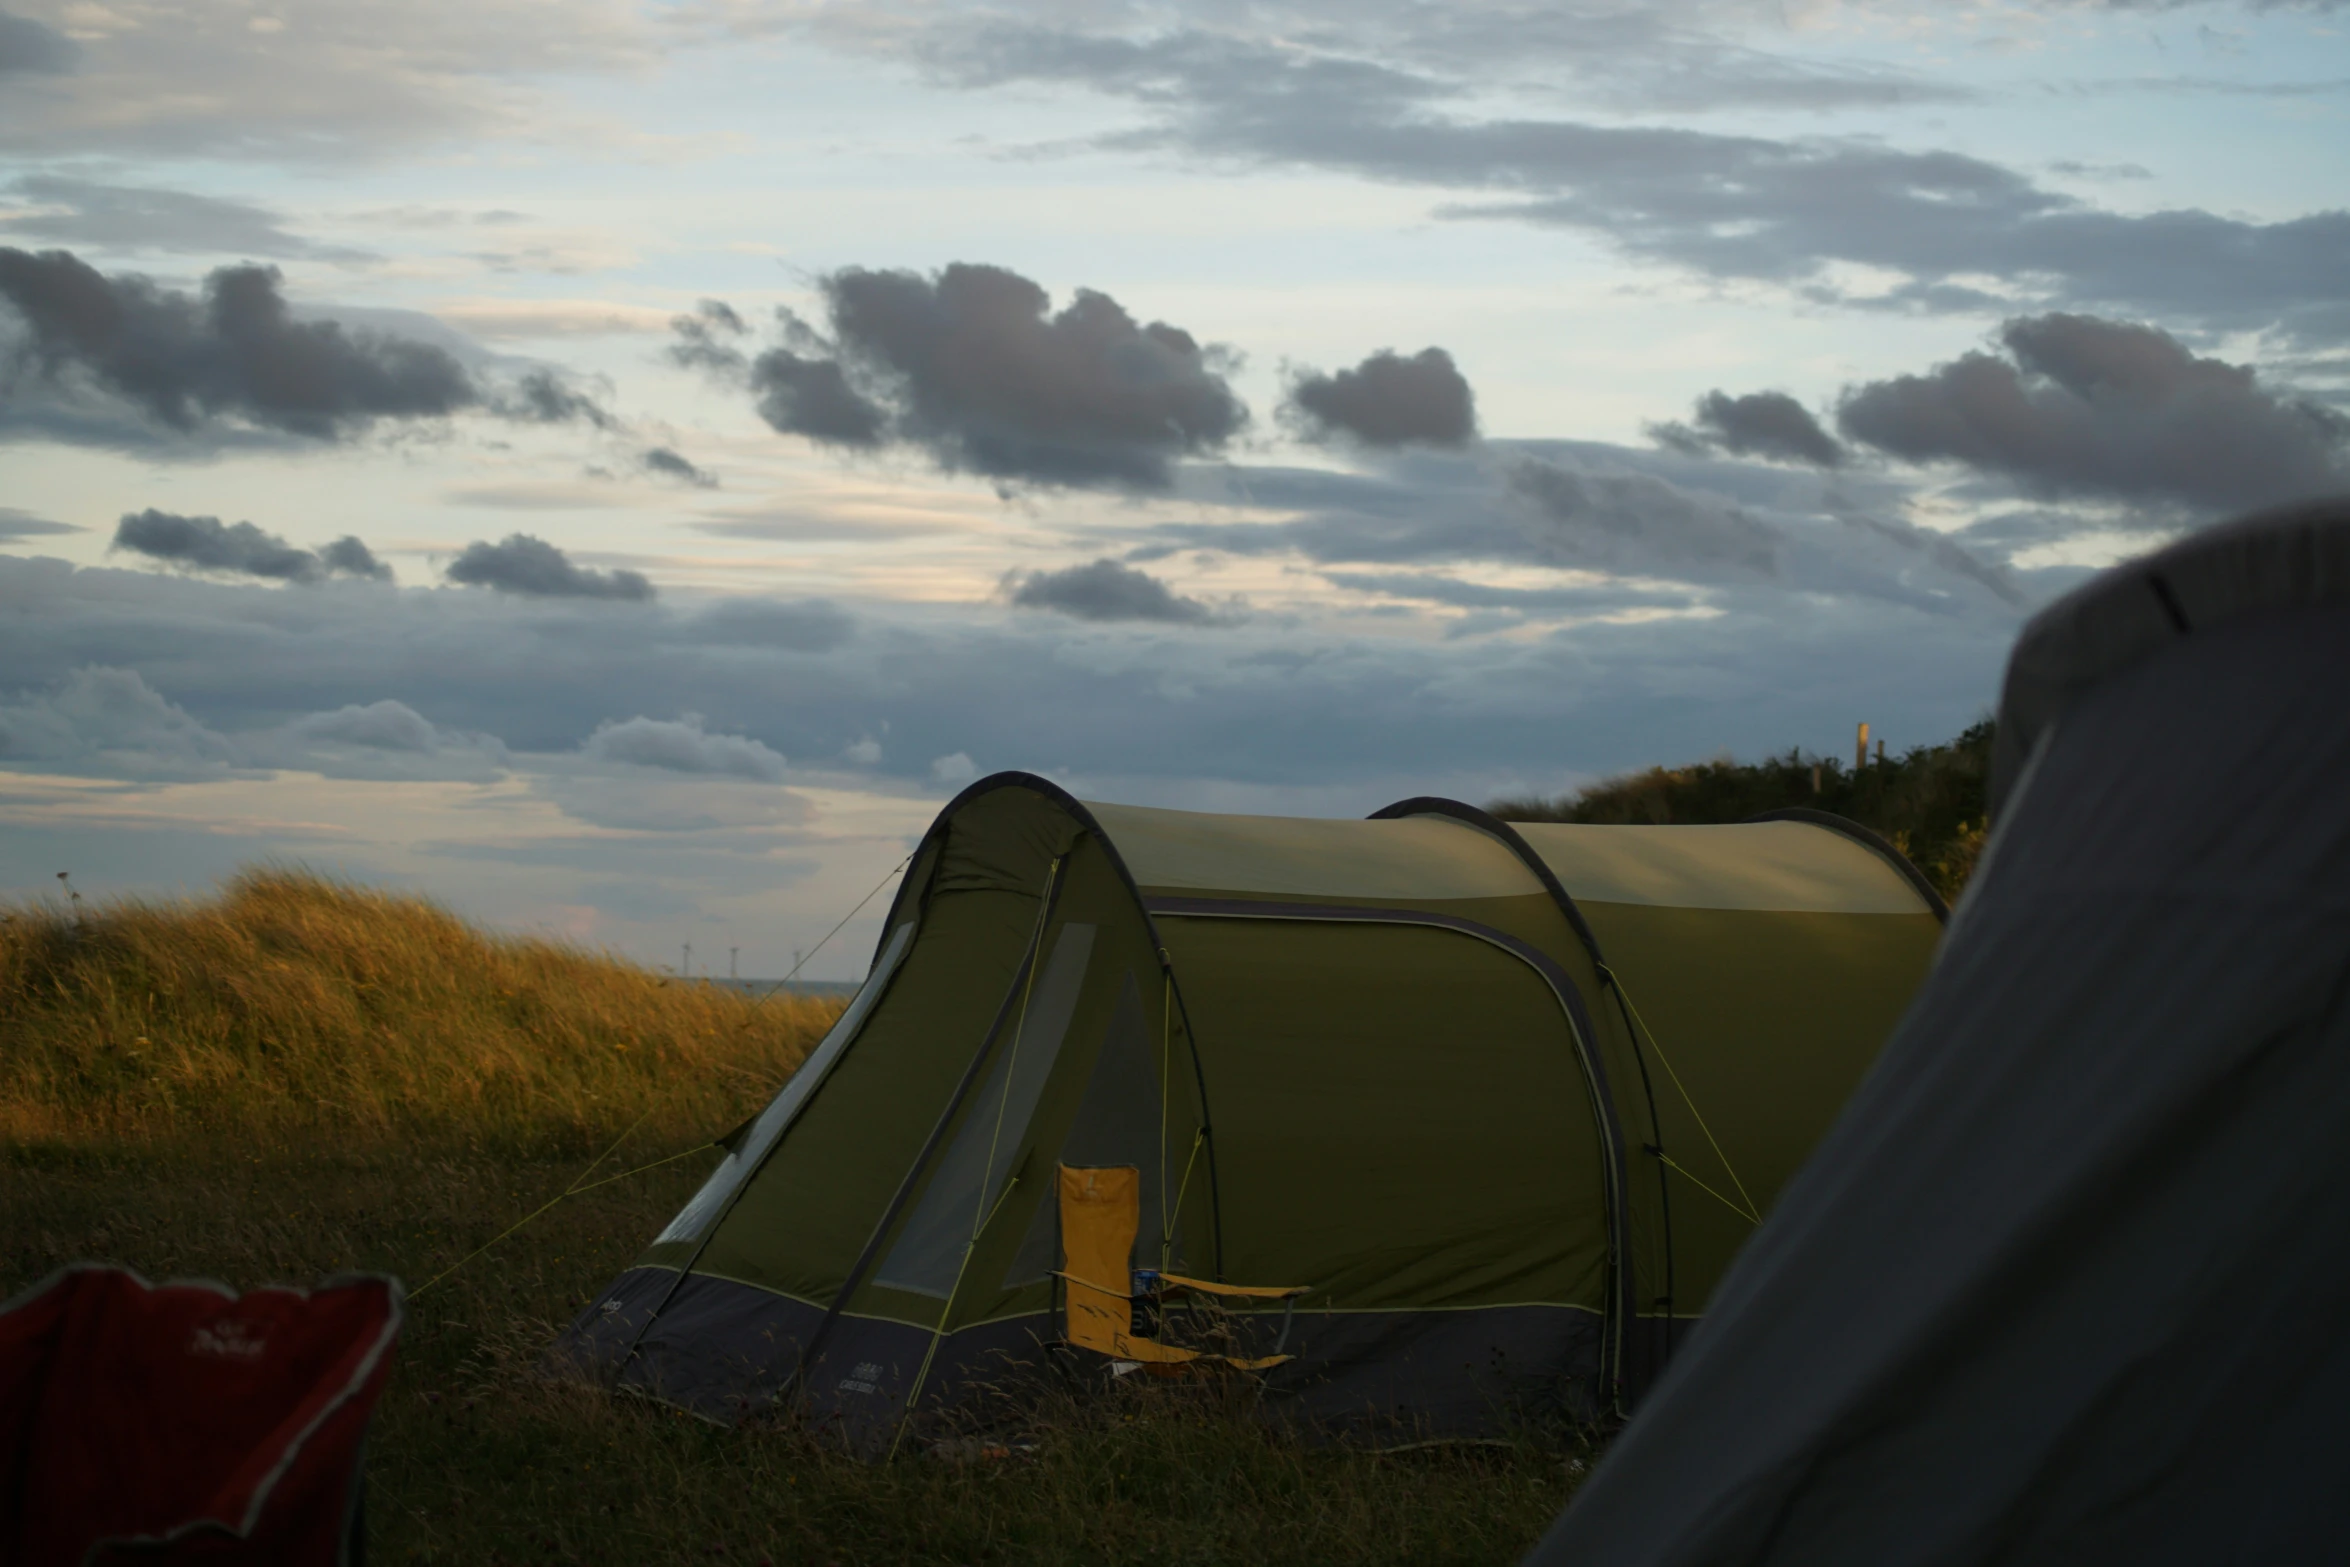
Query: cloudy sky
{"points": [[617, 467]]}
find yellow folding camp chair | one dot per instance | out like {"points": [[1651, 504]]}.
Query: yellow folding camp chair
{"points": [[1101, 1212]]}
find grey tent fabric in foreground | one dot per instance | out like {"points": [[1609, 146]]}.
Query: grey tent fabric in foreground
{"points": [[2069, 1281]]}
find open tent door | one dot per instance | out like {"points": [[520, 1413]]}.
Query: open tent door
{"points": [[975, 1173]]}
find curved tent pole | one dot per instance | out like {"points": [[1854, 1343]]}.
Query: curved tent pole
{"points": [[1510, 838], [1562, 985], [1845, 826], [1207, 1124], [1050, 900], [685, 1269], [924, 858], [918, 887], [983, 1212], [1502, 832], [1084, 818], [913, 865]]}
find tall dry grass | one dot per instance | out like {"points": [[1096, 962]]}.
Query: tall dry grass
{"points": [[297, 1008]]}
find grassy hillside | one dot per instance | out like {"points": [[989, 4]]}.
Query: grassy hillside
{"points": [[294, 1007], [1929, 802], [300, 1078]]}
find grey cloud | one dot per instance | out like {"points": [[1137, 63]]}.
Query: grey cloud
{"points": [[1723, 206], [989, 382], [113, 717], [706, 337], [811, 626], [16, 523], [796, 389], [1268, 702], [2101, 171], [798, 395], [1770, 425], [534, 568], [1435, 588], [1434, 508], [1637, 523], [182, 82], [234, 353], [1104, 590], [1645, 59], [2011, 532], [383, 739], [639, 798], [1736, 207], [240, 549], [29, 48], [351, 558], [414, 326], [972, 366], [1944, 551], [590, 489], [124, 361], [206, 544], [2083, 406], [137, 217], [379, 726], [1701, 80], [543, 397], [109, 718], [1389, 400], [683, 746], [1337, 534], [1720, 525], [674, 465], [811, 526]]}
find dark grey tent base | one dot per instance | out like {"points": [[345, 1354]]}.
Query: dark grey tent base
{"points": [[728, 1351]]}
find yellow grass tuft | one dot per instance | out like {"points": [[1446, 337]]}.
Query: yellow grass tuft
{"points": [[294, 1006]]}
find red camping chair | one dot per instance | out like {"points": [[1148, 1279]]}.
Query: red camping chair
{"points": [[185, 1423]]}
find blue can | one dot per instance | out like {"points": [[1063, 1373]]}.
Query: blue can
{"points": [[1143, 1319]]}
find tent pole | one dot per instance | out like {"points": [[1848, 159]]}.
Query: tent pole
{"points": [[982, 1215], [865, 1259], [637, 1340]]}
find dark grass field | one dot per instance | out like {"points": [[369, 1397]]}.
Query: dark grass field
{"points": [[300, 1079]]}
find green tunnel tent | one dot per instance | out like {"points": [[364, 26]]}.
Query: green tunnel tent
{"points": [[1498, 1101]]}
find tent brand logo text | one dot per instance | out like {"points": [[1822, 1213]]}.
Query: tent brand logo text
{"points": [[865, 1379], [228, 1339]]}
